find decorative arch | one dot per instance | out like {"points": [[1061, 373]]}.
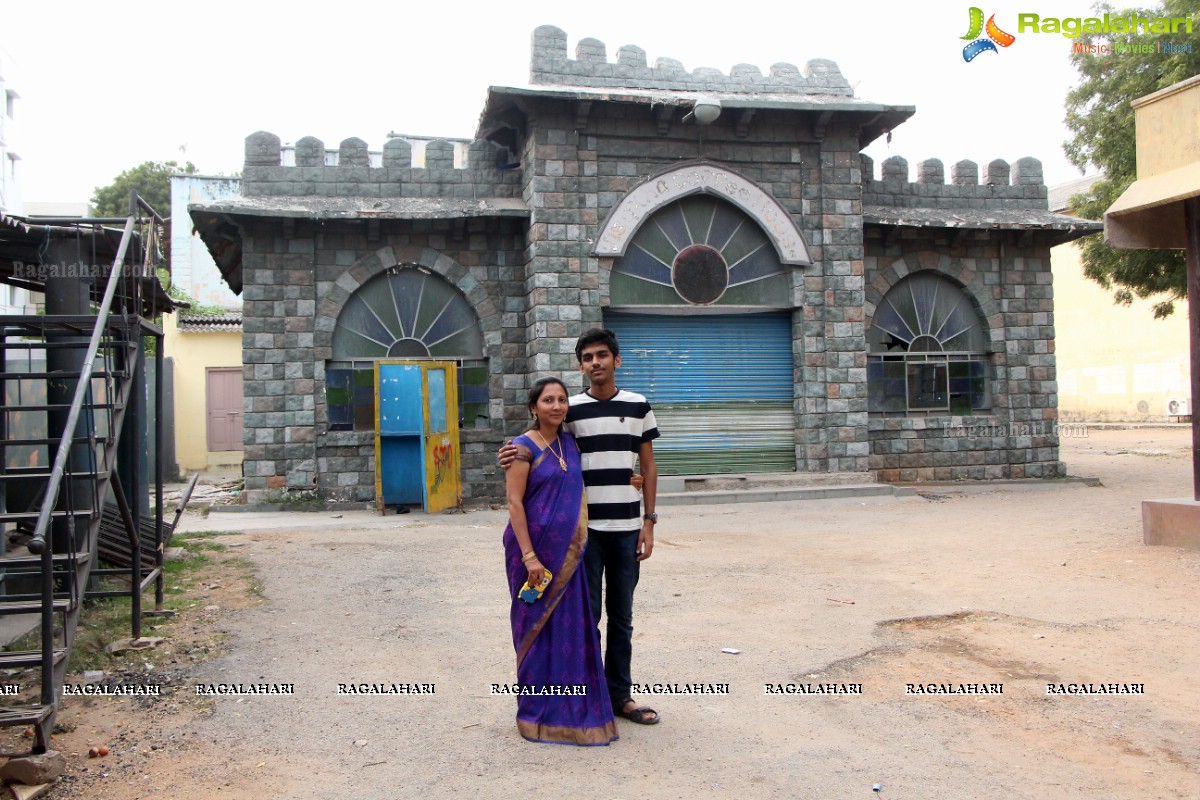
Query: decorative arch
{"points": [[460, 316], [407, 312], [696, 177], [984, 297], [927, 312], [701, 252], [929, 348], [390, 258]]}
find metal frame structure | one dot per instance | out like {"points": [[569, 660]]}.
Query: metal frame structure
{"points": [[92, 418]]}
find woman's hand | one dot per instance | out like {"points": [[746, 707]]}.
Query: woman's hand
{"points": [[536, 572], [637, 481]]}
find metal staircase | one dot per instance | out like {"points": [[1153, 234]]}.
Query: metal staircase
{"points": [[69, 384]]}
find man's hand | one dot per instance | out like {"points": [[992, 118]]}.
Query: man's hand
{"points": [[508, 452], [645, 542]]}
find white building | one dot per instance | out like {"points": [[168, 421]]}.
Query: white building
{"points": [[192, 267], [13, 300]]}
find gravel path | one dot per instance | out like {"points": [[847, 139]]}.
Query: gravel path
{"points": [[1022, 586]]}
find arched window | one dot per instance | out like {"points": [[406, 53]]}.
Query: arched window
{"points": [[403, 313], [927, 350], [700, 251]]}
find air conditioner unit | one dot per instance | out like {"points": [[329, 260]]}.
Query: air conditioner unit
{"points": [[1179, 407]]}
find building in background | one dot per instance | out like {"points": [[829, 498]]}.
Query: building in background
{"points": [[783, 305], [13, 299], [204, 343], [1116, 363]]}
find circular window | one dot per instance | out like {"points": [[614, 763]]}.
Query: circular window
{"points": [[700, 274], [408, 348]]}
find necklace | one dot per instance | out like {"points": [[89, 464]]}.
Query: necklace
{"points": [[562, 462]]}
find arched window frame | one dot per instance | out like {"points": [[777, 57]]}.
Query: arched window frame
{"points": [[350, 378], [928, 350]]}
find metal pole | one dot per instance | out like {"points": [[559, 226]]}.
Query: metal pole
{"points": [[159, 463], [135, 548], [1191, 216], [38, 543]]}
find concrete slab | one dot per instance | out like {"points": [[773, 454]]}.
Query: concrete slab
{"points": [[1173, 523]]}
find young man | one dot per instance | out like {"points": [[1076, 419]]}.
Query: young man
{"points": [[613, 427]]}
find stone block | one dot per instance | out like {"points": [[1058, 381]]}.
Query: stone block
{"points": [[1171, 523]]}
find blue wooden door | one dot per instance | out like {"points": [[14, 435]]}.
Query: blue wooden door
{"points": [[416, 442], [400, 462]]}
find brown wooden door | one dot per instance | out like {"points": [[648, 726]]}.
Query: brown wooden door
{"points": [[224, 408]]}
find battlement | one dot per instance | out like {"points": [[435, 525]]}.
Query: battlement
{"points": [[1016, 186], [549, 64], [353, 171]]}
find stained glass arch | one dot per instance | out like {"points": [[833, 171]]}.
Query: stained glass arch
{"points": [[927, 312], [407, 312], [700, 251]]}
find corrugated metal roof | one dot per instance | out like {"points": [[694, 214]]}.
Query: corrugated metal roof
{"points": [[230, 321]]}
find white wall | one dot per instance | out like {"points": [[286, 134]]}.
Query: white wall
{"points": [[192, 267]]}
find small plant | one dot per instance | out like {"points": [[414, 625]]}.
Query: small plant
{"points": [[296, 499]]}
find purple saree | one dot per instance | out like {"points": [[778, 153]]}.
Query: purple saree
{"points": [[564, 697]]}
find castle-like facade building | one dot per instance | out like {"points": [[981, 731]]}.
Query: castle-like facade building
{"points": [[783, 304]]}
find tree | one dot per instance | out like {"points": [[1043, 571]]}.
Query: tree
{"points": [[1101, 116], [152, 181]]}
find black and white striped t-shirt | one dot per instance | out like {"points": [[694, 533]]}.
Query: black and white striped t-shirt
{"points": [[609, 434]]}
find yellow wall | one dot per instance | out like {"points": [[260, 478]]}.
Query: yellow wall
{"points": [[1115, 363], [193, 353]]}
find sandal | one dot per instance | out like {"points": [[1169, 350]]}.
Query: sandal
{"points": [[642, 716]]}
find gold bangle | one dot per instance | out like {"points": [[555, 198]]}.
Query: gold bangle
{"points": [[530, 556]]}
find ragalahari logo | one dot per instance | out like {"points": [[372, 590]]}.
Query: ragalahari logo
{"points": [[995, 36]]}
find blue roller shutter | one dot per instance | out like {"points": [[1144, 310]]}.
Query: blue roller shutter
{"points": [[720, 385]]}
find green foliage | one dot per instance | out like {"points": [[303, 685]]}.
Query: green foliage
{"points": [[1100, 114], [150, 179]]}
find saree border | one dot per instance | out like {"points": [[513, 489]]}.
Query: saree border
{"points": [[561, 734], [558, 585]]}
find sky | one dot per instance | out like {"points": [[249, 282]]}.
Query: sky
{"points": [[102, 91]]}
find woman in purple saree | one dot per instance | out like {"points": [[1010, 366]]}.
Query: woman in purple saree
{"points": [[563, 696]]}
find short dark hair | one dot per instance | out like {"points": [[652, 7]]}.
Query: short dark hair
{"points": [[539, 386], [597, 336]]}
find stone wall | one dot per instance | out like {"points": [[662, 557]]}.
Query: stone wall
{"points": [[1004, 187], [550, 64], [576, 177], [1011, 281], [297, 274], [352, 176]]}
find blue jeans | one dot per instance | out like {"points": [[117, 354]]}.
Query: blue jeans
{"points": [[613, 557]]}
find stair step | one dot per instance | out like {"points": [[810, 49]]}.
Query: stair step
{"points": [[27, 658], [781, 493], [36, 561], [55, 407], [10, 376], [31, 606], [31, 473], [25, 715], [81, 344], [20, 516], [55, 441]]}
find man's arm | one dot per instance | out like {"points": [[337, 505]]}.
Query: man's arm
{"points": [[649, 473], [506, 454]]}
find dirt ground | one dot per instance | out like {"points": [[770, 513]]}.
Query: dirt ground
{"points": [[1022, 586]]}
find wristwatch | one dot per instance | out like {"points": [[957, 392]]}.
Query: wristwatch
{"points": [[651, 517]]}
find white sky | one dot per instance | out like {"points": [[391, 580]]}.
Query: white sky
{"points": [[106, 86]]}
